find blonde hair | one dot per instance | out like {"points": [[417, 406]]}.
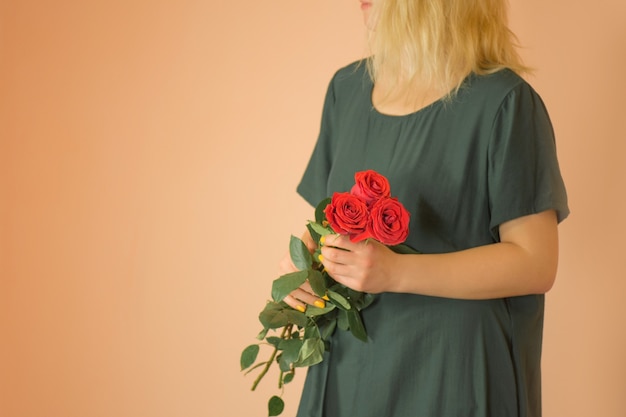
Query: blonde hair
{"points": [[437, 43]]}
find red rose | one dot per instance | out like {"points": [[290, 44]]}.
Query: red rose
{"points": [[370, 186], [347, 214], [389, 221]]}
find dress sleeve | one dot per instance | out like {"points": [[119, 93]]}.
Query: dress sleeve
{"points": [[523, 171], [313, 185]]}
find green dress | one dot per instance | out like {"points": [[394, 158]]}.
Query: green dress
{"points": [[461, 168]]}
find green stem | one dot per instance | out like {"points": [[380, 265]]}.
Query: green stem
{"points": [[271, 359]]}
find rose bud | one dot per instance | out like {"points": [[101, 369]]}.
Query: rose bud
{"points": [[370, 186]]}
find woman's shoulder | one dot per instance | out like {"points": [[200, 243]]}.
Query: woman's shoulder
{"points": [[492, 91], [353, 74], [498, 85], [350, 84], [359, 66]]}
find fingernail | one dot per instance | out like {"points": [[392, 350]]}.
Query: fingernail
{"points": [[325, 297], [323, 240], [320, 257], [319, 304], [301, 309]]}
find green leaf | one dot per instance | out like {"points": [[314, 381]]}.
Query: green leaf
{"points": [[289, 377], [353, 295], [273, 316], [274, 340], [248, 356], [318, 282], [328, 330], [339, 300], [360, 300], [342, 320], [291, 349], [275, 406], [296, 317], [366, 300], [300, 255], [320, 216], [356, 325], [276, 315], [314, 235], [262, 334], [311, 332], [311, 353], [313, 311], [285, 284], [320, 230]]}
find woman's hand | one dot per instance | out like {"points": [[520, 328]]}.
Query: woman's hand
{"points": [[300, 297], [365, 266]]}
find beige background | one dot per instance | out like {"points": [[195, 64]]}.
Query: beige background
{"points": [[149, 153]]}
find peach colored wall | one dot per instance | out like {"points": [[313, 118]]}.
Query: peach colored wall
{"points": [[149, 151]]}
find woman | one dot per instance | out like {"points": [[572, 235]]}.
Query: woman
{"points": [[468, 148]]}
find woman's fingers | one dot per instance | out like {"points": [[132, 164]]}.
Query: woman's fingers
{"points": [[294, 303], [300, 297], [355, 265], [303, 296], [337, 255], [338, 241]]}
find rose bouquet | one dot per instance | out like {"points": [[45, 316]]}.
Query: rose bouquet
{"points": [[299, 338]]}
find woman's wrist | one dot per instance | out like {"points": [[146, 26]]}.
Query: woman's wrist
{"points": [[400, 265]]}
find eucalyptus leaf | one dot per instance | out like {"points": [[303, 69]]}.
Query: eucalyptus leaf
{"points": [[356, 325], [248, 356], [318, 282], [282, 286], [275, 406], [339, 300], [299, 253]]}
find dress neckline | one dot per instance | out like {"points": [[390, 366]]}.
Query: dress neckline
{"points": [[436, 103]]}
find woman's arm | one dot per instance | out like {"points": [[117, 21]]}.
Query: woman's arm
{"points": [[524, 262]]}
